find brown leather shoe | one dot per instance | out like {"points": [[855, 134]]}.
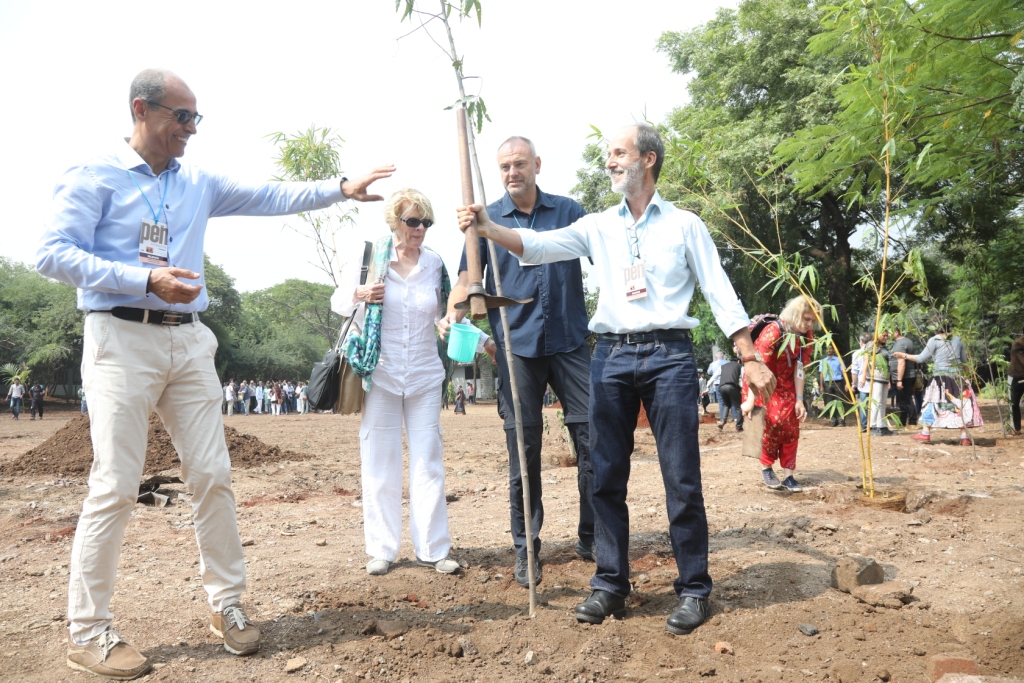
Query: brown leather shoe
{"points": [[107, 655], [241, 637]]}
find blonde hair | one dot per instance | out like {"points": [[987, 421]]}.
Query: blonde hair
{"points": [[795, 309], [403, 199]]}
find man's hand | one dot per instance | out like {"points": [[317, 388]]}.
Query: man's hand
{"points": [[356, 189], [491, 349], [760, 379], [165, 284], [801, 410], [475, 215]]}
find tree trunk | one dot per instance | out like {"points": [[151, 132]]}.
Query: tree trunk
{"points": [[839, 226]]}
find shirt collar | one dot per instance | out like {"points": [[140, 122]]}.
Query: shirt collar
{"points": [[131, 160], [656, 203], [508, 206]]}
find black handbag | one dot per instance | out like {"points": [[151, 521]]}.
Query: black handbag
{"points": [[325, 379]]}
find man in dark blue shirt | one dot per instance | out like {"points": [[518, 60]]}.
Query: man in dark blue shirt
{"points": [[548, 340]]}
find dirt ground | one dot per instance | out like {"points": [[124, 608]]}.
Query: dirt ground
{"points": [[959, 546]]}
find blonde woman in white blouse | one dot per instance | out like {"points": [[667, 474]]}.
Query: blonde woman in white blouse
{"points": [[405, 389]]}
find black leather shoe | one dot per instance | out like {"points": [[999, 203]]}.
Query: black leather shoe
{"points": [[523, 575], [599, 605], [688, 615], [586, 553]]}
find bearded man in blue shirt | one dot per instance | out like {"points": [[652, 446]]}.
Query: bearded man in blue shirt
{"points": [[648, 257], [127, 230], [548, 341]]}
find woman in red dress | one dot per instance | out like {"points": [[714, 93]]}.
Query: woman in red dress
{"points": [[785, 347]]}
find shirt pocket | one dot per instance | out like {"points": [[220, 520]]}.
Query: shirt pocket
{"points": [[672, 268]]}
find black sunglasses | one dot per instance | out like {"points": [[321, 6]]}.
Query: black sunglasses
{"points": [[182, 116], [416, 222]]}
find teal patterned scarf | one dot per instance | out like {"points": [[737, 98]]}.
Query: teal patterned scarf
{"points": [[362, 351]]}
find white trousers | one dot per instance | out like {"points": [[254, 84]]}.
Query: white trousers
{"points": [[130, 369], [380, 447], [879, 397]]}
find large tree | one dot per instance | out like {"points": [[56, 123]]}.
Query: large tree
{"points": [[933, 107], [40, 325], [754, 85]]}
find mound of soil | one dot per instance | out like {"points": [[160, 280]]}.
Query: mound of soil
{"points": [[69, 451]]}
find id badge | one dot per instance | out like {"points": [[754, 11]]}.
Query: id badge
{"points": [[635, 281], [800, 372], [153, 243]]}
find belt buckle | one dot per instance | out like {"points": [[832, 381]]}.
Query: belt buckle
{"points": [[172, 318]]}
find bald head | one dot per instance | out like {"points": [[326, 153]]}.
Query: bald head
{"points": [[518, 141], [151, 86]]}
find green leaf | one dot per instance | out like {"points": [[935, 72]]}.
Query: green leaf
{"points": [[920, 157]]}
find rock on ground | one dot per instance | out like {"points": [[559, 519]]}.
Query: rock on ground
{"points": [[856, 570]]}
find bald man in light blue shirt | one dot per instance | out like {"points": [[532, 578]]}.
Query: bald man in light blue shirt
{"points": [[127, 229]]}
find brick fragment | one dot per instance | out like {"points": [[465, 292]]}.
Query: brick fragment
{"points": [[940, 665]]}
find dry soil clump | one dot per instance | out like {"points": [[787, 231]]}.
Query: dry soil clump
{"points": [[69, 451]]}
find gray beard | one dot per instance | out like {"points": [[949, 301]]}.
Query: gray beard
{"points": [[632, 182]]}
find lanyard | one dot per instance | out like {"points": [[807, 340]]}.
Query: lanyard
{"points": [[156, 216], [532, 220], [632, 240]]}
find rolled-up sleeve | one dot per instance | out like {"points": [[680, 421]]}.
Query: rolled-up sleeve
{"points": [[232, 198], [65, 253], [563, 244], [714, 283], [348, 280]]}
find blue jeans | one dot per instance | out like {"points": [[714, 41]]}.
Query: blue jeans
{"points": [[15, 407], [664, 376], [862, 397]]}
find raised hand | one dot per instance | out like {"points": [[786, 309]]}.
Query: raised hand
{"points": [[356, 189]]}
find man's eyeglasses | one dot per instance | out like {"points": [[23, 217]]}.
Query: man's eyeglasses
{"points": [[633, 239], [182, 116], [417, 222]]}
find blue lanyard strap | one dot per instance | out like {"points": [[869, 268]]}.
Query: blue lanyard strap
{"points": [[156, 216], [532, 220]]}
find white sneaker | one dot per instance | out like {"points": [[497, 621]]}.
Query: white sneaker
{"points": [[377, 567], [444, 566]]}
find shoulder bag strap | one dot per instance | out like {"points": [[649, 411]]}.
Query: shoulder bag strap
{"points": [[347, 323]]}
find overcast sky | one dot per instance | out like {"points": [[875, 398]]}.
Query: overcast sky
{"points": [[549, 70]]}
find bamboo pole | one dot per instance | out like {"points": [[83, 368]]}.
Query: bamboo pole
{"points": [[469, 145], [467, 197]]}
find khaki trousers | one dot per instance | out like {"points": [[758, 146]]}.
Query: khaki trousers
{"points": [[129, 370]]}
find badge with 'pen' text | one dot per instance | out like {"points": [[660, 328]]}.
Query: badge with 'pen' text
{"points": [[635, 281], [153, 243]]}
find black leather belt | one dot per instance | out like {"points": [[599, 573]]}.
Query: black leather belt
{"points": [[144, 315], [645, 337]]}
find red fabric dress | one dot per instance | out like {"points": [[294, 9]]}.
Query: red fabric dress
{"points": [[781, 426]]}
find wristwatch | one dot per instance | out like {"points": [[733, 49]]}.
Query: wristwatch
{"points": [[755, 356]]}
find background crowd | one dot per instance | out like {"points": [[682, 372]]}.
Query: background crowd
{"points": [[265, 397]]}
